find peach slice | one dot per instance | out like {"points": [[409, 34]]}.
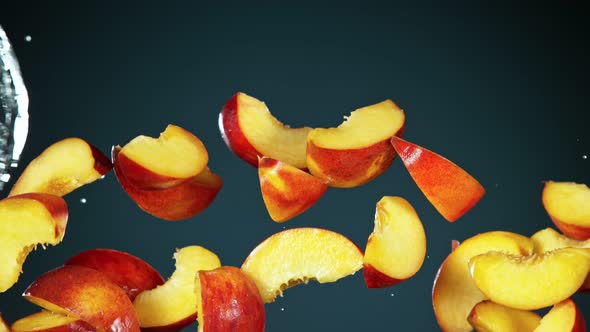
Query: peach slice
{"points": [[173, 305], [396, 248], [449, 188], [131, 273], [454, 294], [358, 150], [46, 321], [228, 300], [27, 220], [178, 202], [85, 294], [286, 190], [63, 167], [251, 131], [563, 317], [3, 325], [297, 255], [156, 163], [530, 282], [568, 206], [488, 316]]}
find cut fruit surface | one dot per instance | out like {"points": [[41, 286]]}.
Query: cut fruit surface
{"points": [[568, 205], [3, 325], [532, 282], [563, 317], [251, 131], [298, 255], [488, 316], [46, 321]]}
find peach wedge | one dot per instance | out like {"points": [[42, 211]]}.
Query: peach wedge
{"points": [[563, 317], [488, 316], [298, 255], [568, 205], [47, 321], [3, 325], [396, 248]]}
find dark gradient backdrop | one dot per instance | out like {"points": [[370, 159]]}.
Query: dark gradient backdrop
{"points": [[500, 90]]}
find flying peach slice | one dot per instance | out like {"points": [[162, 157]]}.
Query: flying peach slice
{"points": [[131, 273], [454, 294], [61, 168], [358, 150], [173, 305], [228, 300], [449, 188], [85, 294], [532, 282], [47, 321], [488, 316], [397, 246], [286, 190], [27, 220], [563, 317], [3, 325], [251, 131], [157, 163], [178, 202], [568, 205], [298, 255]]}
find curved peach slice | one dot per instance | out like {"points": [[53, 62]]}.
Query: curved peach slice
{"points": [[85, 294], [487, 316], [63, 167], [156, 163], [454, 294], [568, 205], [178, 202], [530, 282], [131, 273], [358, 150], [3, 325], [173, 305], [250, 131], [46, 321], [286, 190], [450, 189], [397, 246], [298, 255], [27, 220], [563, 317], [224, 290]]}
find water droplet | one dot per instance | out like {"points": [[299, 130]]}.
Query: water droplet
{"points": [[28, 38], [83, 200], [428, 257], [392, 294], [102, 177], [284, 227], [282, 309], [584, 157], [496, 185]]}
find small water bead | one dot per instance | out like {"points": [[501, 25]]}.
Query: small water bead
{"points": [[584, 157], [83, 200], [28, 38]]}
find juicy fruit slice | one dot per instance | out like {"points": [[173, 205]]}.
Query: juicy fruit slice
{"points": [[568, 205], [226, 290], [488, 316], [358, 150], [449, 188], [27, 220], [157, 163], [63, 167], [531, 282], [454, 294], [86, 294], [564, 316], [397, 246], [173, 305], [250, 131], [46, 321], [286, 190], [178, 202], [298, 255], [131, 273]]}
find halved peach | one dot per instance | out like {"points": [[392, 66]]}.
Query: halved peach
{"points": [[358, 150], [530, 282], [563, 317], [454, 294], [173, 305], [297, 255], [27, 220], [487, 316], [568, 205], [286, 190], [62, 167], [449, 188], [396, 248], [3, 325], [47, 321], [251, 131], [157, 163]]}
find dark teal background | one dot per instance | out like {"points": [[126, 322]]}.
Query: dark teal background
{"points": [[501, 90]]}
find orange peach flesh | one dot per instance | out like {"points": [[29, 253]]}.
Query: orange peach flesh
{"points": [[567, 204], [47, 321], [490, 316], [564, 316], [3, 325]]}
